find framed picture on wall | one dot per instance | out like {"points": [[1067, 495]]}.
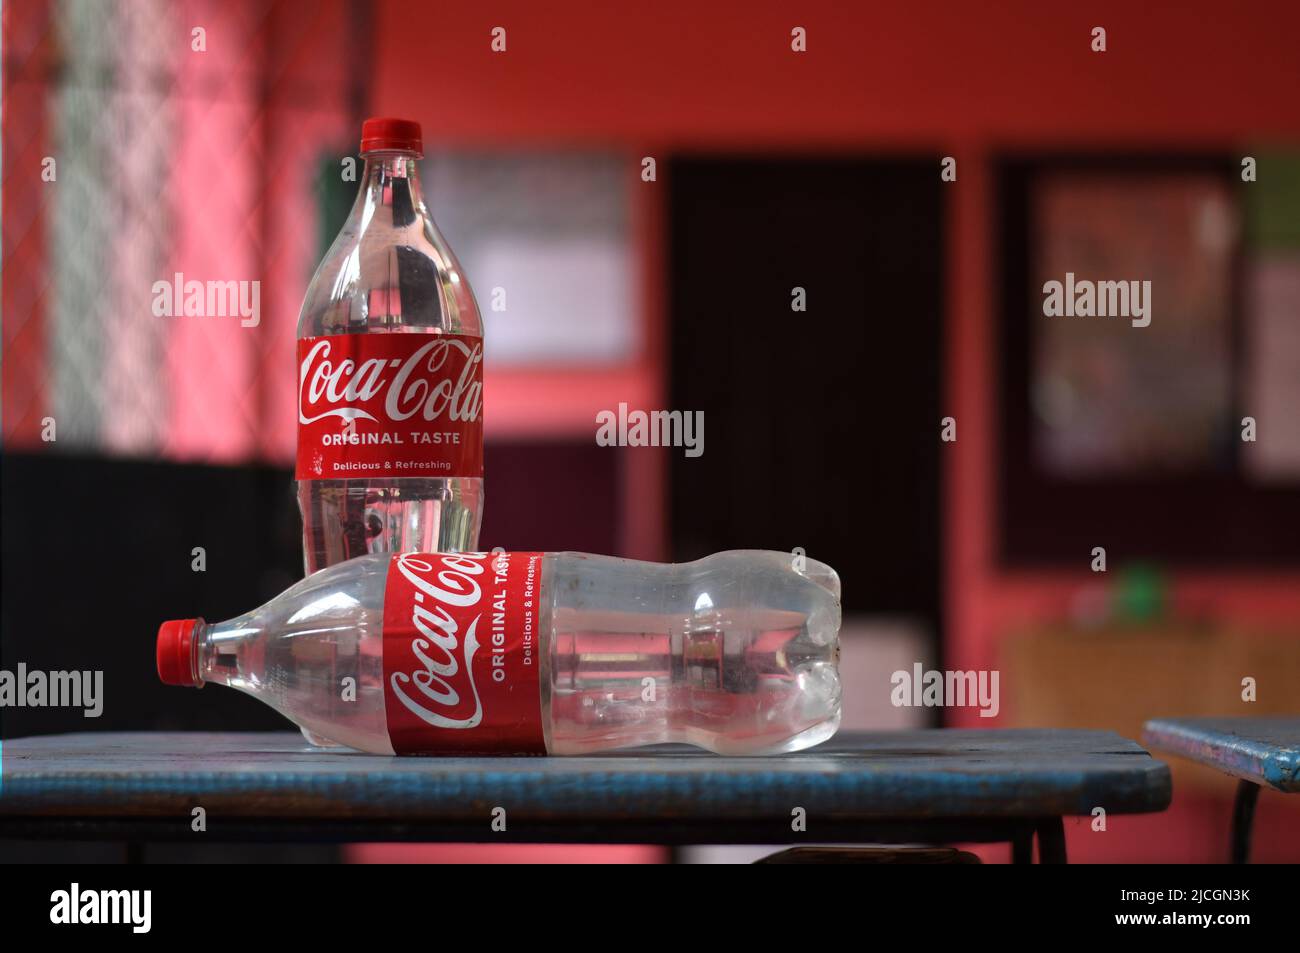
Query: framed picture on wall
{"points": [[1125, 377]]}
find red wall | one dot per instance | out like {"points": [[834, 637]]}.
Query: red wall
{"points": [[697, 74]]}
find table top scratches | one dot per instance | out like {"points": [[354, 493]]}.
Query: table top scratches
{"points": [[1264, 750]]}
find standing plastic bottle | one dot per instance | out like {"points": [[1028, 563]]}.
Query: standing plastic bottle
{"points": [[536, 653], [390, 375]]}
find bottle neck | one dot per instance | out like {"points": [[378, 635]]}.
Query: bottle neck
{"points": [[225, 652], [390, 193]]}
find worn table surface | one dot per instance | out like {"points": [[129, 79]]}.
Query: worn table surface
{"points": [[110, 784], [1263, 750]]}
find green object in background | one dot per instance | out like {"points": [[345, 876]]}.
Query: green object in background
{"points": [[334, 198], [1272, 201], [1140, 594]]}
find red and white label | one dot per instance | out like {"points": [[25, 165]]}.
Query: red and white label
{"points": [[390, 405], [462, 655]]}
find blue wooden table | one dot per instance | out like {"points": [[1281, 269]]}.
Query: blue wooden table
{"points": [[937, 786], [1257, 751]]}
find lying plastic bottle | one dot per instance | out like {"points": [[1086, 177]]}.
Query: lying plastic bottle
{"points": [[536, 653]]}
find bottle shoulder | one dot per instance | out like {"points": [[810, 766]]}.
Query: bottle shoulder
{"points": [[383, 280]]}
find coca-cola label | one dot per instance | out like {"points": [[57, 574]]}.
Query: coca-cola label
{"points": [[392, 405], [462, 655]]}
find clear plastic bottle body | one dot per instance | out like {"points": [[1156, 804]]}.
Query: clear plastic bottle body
{"points": [[389, 271], [736, 653]]}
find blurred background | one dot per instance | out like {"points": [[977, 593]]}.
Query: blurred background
{"points": [[773, 170]]}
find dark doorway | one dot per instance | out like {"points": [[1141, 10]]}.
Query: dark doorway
{"points": [[821, 427]]}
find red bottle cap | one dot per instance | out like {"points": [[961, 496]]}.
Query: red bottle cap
{"points": [[391, 135], [176, 652]]}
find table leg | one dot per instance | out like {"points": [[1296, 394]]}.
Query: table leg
{"points": [[1022, 847], [1051, 841], [1243, 816]]}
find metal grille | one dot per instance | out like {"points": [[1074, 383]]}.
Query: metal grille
{"points": [[109, 227], [168, 159]]}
